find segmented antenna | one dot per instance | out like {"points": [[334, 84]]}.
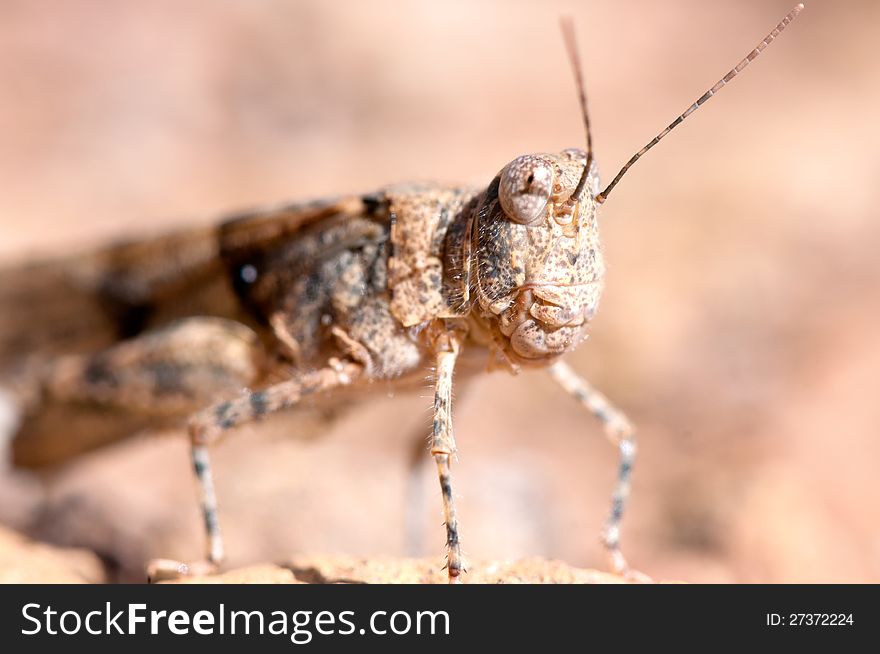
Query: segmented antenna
{"points": [[708, 94], [568, 36]]}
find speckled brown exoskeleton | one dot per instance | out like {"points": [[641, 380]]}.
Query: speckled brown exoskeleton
{"points": [[311, 299]]}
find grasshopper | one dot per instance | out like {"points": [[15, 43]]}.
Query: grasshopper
{"points": [[310, 299]]}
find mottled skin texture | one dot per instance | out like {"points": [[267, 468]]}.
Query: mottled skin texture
{"points": [[537, 284], [233, 323]]}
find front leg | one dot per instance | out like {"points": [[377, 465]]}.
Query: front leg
{"points": [[446, 348], [620, 432]]}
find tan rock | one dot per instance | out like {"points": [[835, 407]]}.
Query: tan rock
{"points": [[23, 561], [343, 569], [256, 574]]}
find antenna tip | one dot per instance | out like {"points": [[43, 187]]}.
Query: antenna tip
{"points": [[798, 7]]}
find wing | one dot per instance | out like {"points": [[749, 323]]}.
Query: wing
{"points": [[87, 303]]}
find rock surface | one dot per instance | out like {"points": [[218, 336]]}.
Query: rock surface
{"points": [[23, 561], [342, 569]]}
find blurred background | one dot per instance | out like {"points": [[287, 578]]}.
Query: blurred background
{"points": [[738, 328]]}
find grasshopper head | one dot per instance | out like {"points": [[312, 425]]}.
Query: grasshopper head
{"points": [[538, 264], [535, 242]]}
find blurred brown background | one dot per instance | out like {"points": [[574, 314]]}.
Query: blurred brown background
{"points": [[739, 325]]}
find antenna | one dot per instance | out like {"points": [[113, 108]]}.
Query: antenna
{"points": [[696, 105], [568, 36]]}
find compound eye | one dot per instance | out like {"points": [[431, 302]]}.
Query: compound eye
{"points": [[525, 188]]}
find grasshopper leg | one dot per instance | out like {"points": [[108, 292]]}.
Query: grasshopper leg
{"points": [[622, 435], [416, 481], [208, 426], [443, 448]]}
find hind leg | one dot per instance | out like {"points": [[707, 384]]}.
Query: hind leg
{"points": [[76, 403], [170, 370]]}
